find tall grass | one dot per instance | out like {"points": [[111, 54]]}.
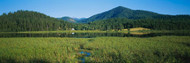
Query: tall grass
{"points": [[39, 49], [148, 50], [102, 49]]}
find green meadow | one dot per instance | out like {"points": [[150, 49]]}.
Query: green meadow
{"points": [[160, 49]]}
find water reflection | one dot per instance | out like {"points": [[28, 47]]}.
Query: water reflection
{"points": [[90, 35]]}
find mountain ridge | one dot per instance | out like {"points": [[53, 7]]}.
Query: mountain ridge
{"points": [[123, 12]]}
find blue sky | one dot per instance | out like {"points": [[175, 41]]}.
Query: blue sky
{"points": [[87, 8]]}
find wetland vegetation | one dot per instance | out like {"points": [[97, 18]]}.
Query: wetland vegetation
{"points": [[101, 49]]}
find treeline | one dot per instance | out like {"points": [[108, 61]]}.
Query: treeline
{"points": [[31, 21], [170, 23]]}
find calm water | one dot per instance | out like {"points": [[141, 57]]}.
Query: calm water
{"points": [[88, 35]]}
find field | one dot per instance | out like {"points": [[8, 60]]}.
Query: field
{"points": [[160, 49]]}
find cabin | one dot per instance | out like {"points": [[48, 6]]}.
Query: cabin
{"points": [[72, 29]]}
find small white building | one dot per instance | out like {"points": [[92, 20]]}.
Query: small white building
{"points": [[72, 29]]}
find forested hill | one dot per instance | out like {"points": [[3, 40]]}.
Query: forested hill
{"points": [[122, 12], [181, 22], [123, 18], [31, 21]]}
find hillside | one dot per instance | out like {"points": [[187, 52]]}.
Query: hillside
{"points": [[172, 23], [122, 12], [30, 21], [123, 18]]}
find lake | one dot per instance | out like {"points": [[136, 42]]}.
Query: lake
{"points": [[90, 35]]}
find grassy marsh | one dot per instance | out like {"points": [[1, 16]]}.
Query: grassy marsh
{"points": [[103, 49]]}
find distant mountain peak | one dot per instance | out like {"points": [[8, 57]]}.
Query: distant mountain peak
{"points": [[121, 8], [72, 19]]}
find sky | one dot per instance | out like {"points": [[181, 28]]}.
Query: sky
{"points": [[87, 8]]}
